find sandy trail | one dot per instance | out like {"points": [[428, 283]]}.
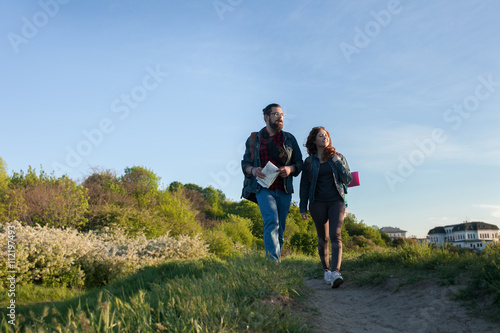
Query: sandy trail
{"points": [[421, 307]]}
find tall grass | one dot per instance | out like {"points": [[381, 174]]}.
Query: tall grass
{"points": [[249, 293], [206, 295], [476, 274]]}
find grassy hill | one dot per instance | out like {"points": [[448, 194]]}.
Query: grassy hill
{"points": [[246, 293]]}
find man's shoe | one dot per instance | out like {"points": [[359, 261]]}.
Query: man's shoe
{"points": [[337, 280], [328, 277]]}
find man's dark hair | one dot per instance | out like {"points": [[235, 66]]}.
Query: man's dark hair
{"points": [[267, 110]]}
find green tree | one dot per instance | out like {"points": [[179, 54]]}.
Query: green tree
{"points": [[143, 184], [104, 188], [360, 234], [175, 186], [385, 237], [140, 179], [216, 201], [5, 201], [4, 177], [194, 187], [178, 214], [250, 210], [238, 229], [305, 242], [46, 200], [110, 204]]}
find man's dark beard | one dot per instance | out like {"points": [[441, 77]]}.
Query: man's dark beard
{"points": [[276, 126]]}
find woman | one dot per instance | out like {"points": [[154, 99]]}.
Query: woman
{"points": [[323, 184]]}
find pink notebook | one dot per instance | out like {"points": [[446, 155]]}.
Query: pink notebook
{"points": [[355, 179]]}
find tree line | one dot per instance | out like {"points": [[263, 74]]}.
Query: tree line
{"points": [[136, 202]]}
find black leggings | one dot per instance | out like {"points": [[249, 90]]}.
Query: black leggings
{"points": [[328, 218]]}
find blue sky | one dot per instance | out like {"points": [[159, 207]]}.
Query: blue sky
{"points": [[409, 90]]}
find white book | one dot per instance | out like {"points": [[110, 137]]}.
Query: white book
{"points": [[271, 171]]}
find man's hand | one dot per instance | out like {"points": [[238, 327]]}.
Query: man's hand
{"points": [[257, 172], [286, 171], [304, 216]]}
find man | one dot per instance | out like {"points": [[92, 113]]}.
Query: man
{"points": [[272, 144]]}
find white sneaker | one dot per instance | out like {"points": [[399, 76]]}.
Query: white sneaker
{"points": [[337, 279], [328, 277]]}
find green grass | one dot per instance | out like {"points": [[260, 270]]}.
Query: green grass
{"points": [[247, 293], [208, 295], [33, 294], [476, 274]]}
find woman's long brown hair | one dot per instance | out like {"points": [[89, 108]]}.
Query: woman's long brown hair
{"points": [[329, 150]]}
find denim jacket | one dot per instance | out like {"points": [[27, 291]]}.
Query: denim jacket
{"points": [[294, 158], [341, 175]]}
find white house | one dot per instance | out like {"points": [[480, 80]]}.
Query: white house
{"points": [[394, 232], [472, 235]]}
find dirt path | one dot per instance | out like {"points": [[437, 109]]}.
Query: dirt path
{"points": [[421, 307]]}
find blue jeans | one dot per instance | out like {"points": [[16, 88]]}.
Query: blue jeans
{"points": [[274, 207]]}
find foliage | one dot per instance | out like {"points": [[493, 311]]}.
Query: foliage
{"points": [[66, 257], [178, 214], [237, 228], [305, 242], [251, 211], [4, 177], [231, 237], [104, 187], [216, 200], [402, 241], [477, 273], [139, 180], [385, 237], [219, 243], [300, 235], [359, 241], [483, 286], [132, 219], [135, 204], [303, 225], [46, 200], [361, 235], [205, 295]]}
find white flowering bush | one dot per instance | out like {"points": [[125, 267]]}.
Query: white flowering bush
{"points": [[66, 257]]}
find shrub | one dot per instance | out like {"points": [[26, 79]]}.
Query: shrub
{"points": [[231, 237], [290, 230], [402, 241], [46, 200], [366, 236], [104, 188], [139, 181], [131, 219], [215, 199], [251, 211], [238, 230], [178, 214], [4, 178], [219, 243], [304, 242], [47, 256], [66, 257], [359, 241], [491, 271]]}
